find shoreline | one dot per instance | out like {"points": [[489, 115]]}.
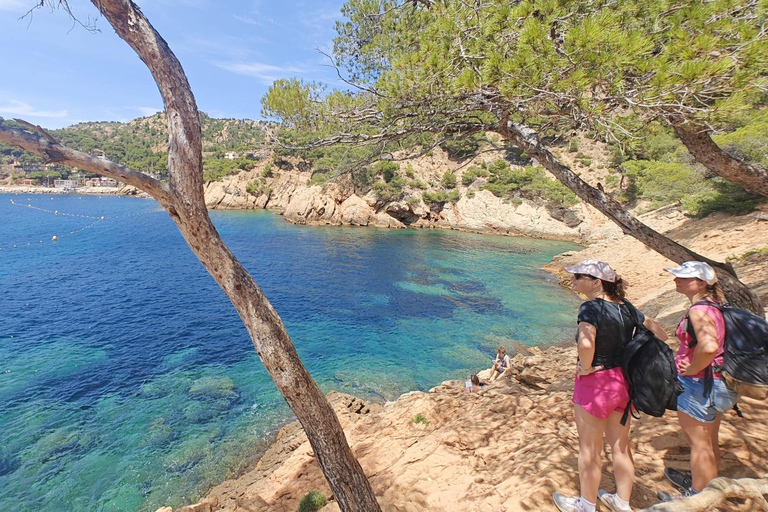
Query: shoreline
{"points": [[458, 458], [132, 192]]}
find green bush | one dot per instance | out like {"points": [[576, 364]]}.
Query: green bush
{"points": [[387, 169], [573, 146], [267, 172], [391, 191], [320, 178], [472, 174], [441, 196], [214, 169], [314, 500], [530, 182], [409, 171], [449, 180], [418, 184], [722, 196], [420, 419], [470, 194]]}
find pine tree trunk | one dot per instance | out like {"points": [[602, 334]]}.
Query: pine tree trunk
{"points": [[700, 145], [184, 200], [527, 140]]}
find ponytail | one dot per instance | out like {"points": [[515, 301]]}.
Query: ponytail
{"points": [[717, 293], [616, 290]]}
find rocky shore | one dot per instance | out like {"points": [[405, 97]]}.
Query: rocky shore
{"points": [[510, 446]]}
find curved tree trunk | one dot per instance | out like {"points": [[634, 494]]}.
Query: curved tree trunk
{"points": [[716, 492], [700, 145], [184, 200], [527, 140]]}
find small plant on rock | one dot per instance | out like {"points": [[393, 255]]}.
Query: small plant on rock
{"points": [[420, 419], [314, 500]]}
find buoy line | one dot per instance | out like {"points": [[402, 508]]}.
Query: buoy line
{"points": [[58, 237]]}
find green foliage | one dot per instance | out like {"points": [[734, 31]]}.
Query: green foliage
{"points": [[409, 171], [449, 180], [267, 172], [530, 182], [414, 201], [258, 187], [585, 160], [215, 169], [387, 169], [417, 184], [314, 500], [462, 147], [470, 194], [748, 143], [420, 419], [292, 102], [441, 196], [721, 196], [391, 191], [573, 146], [320, 178], [473, 173], [664, 183]]}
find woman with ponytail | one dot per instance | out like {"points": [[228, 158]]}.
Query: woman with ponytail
{"points": [[601, 393]]}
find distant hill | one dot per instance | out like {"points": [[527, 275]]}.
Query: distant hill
{"points": [[142, 144]]}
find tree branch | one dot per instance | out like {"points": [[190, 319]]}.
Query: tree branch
{"points": [[695, 137], [47, 147], [716, 492]]}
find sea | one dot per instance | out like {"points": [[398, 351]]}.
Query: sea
{"points": [[128, 382]]}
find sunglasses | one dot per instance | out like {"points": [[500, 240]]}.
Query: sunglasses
{"points": [[580, 276]]}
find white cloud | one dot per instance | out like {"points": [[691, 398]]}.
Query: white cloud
{"points": [[18, 108], [267, 73]]}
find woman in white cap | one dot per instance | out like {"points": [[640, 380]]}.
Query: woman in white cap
{"points": [[705, 398], [600, 392]]}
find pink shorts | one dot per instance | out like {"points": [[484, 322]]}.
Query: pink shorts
{"points": [[602, 393]]}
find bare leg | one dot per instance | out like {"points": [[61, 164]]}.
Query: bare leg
{"points": [[590, 431], [714, 433], [703, 458], [623, 464]]}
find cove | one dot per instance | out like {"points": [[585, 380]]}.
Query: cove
{"points": [[128, 381]]}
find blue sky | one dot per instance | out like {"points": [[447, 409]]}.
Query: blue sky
{"points": [[56, 73]]}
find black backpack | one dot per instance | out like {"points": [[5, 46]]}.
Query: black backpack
{"points": [[745, 361], [649, 367]]}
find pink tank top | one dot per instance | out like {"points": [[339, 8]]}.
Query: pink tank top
{"points": [[686, 354]]}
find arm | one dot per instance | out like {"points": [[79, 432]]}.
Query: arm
{"points": [[586, 349], [655, 328], [706, 348]]}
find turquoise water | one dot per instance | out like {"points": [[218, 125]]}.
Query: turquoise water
{"points": [[128, 381]]}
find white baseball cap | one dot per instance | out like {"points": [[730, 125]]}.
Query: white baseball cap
{"points": [[697, 269], [594, 268]]}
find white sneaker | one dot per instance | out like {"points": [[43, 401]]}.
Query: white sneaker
{"points": [[566, 503], [610, 501]]}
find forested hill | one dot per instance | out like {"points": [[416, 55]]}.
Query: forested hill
{"points": [[142, 144]]}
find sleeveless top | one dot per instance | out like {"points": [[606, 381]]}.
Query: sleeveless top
{"points": [[684, 353], [615, 327]]}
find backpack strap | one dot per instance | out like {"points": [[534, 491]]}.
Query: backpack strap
{"points": [[630, 350], [709, 378]]}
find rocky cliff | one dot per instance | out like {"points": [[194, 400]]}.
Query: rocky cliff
{"points": [[289, 190]]}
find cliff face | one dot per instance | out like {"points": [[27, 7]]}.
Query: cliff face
{"points": [[339, 202]]}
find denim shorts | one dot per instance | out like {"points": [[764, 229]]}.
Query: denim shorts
{"points": [[704, 408]]}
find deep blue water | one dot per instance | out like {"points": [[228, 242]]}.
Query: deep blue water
{"points": [[128, 382]]}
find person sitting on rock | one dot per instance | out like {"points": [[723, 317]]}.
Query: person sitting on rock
{"points": [[501, 365], [474, 385]]}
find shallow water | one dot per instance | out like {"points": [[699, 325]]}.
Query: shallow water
{"points": [[128, 381]]}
